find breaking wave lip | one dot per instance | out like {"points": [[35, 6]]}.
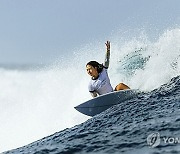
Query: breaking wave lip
{"points": [[122, 128], [38, 95]]}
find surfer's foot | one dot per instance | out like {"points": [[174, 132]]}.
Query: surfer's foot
{"points": [[121, 86]]}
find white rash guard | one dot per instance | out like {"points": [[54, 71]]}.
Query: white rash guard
{"points": [[101, 85]]}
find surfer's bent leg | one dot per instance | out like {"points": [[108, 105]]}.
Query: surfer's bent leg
{"points": [[121, 86]]}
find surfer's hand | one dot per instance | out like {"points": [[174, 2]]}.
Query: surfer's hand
{"points": [[108, 46]]}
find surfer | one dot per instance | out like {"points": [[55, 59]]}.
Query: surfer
{"points": [[100, 82]]}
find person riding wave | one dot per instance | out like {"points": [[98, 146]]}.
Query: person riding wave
{"points": [[100, 82]]}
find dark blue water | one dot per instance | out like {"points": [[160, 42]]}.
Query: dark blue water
{"points": [[124, 128]]}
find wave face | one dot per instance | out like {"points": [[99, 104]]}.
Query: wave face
{"points": [[36, 103], [124, 128]]}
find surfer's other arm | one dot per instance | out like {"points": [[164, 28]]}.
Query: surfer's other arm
{"points": [[107, 57], [93, 94]]}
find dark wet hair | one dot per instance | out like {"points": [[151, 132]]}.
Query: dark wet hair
{"points": [[97, 65]]}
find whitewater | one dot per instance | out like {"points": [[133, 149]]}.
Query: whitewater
{"points": [[39, 102]]}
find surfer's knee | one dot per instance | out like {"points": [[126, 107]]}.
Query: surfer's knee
{"points": [[121, 86]]}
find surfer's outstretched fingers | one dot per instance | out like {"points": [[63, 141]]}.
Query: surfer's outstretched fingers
{"points": [[108, 45], [121, 86]]}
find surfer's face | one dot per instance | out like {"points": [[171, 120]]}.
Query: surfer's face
{"points": [[91, 71]]}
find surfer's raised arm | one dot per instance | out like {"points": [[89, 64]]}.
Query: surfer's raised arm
{"points": [[107, 57]]}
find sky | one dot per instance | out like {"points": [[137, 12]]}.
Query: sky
{"points": [[39, 31]]}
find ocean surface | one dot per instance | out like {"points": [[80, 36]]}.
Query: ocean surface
{"points": [[39, 101], [124, 128]]}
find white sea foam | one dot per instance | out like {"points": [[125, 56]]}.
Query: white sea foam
{"points": [[37, 103]]}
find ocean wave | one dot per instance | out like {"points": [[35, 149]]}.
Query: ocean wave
{"points": [[36, 103], [123, 128]]}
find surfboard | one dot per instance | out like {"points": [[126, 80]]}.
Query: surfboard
{"points": [[103, 102]]}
